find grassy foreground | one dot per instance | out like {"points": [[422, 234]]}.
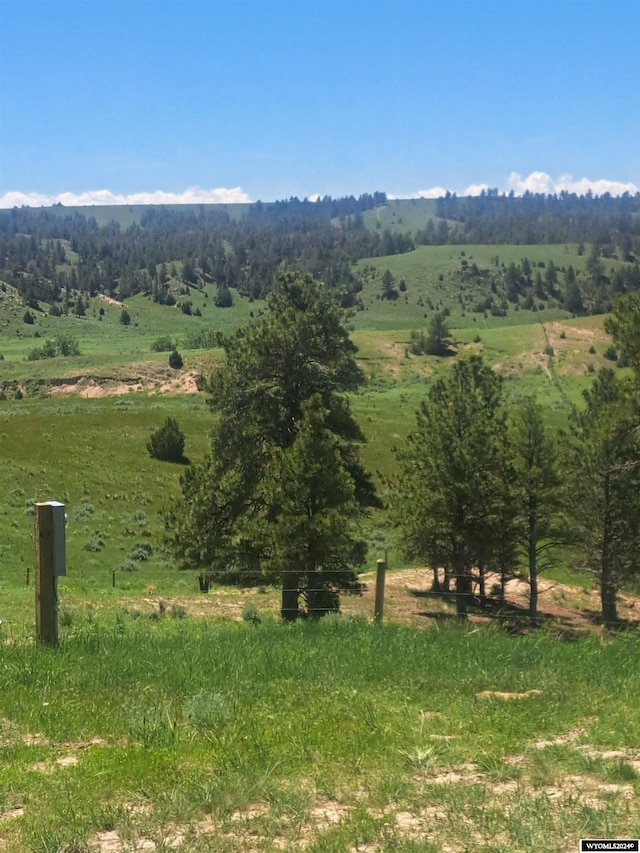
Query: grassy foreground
{"points": [[337, 736]]}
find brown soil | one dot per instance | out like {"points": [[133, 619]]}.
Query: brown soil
{"points": [[151, 378], [408, 600]]}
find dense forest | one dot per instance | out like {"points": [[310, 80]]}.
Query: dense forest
{"points": [[52, 255], [610, 223]]}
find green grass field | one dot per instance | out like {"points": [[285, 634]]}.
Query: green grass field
{"points": [[339, 736]]}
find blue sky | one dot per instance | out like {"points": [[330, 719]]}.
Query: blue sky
{"points": [[142, 100]]}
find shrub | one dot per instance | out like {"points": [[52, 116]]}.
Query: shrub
{"points": [[141, 552], [28, 318], [62, 345], [610, 353], [167, 443], [162, 344], [48, 350], [250, 614], [125, 317], [175, 360], [94, 543], [82, 512], [67, 345], [203, 339], [592, 350]]}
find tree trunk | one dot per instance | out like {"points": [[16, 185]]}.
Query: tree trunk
{"points": [[436, 586], [313, 591], [608, 599], [607, 581], [290, 597], [463, 595], [464, 590], [533, 592], [446, 586], [533, 564], [482, 582]]}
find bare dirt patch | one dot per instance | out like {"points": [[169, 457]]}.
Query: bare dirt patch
{"points": [[110, 301], [505, 697], [150, 378], [409, 600]]}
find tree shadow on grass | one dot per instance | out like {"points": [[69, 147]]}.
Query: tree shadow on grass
{"points": [[512, 617]]}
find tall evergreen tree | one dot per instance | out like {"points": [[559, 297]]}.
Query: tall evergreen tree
{"points": [[606, 469], [451, 500], [299, 352], [539, 493]]}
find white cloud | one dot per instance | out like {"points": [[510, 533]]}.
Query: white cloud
{"points": [[536, 182], [192, 195], [434, 192], [475, 189], [541, 182]]}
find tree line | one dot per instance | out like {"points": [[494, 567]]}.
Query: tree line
{"points": [[609, 222], [481, 487], [51, 254], [48, 253]]}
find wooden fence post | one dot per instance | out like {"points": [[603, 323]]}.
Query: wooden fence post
{"points": [[378, 610], [50, 563]]}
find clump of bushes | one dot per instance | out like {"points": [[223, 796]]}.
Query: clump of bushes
{"points": [[63, 345], [167, 443], [94, 543], [82, 512], [175, 360], [162, 344], [141, 552]]}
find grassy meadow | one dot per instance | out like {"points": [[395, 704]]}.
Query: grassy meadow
{"points": [[338, 736], [165, 721]]}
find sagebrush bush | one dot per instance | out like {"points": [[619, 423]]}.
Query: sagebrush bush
{"points": [[141, 552], [167, 443]]}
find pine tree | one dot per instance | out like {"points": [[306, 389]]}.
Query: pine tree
{"points": [[300, 351], [606, 466], [451, 500], [539, 494]]}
